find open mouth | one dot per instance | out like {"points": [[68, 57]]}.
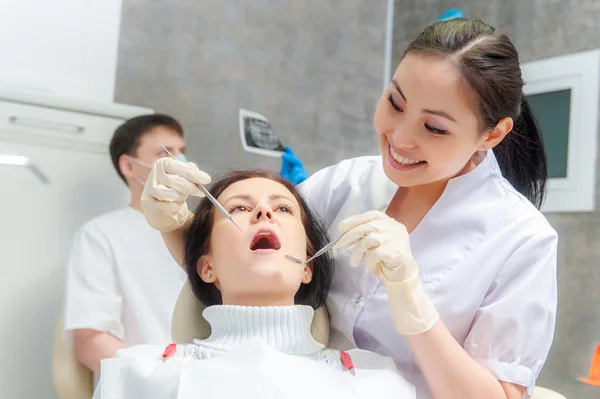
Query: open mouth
{"points": [[265, 239]]}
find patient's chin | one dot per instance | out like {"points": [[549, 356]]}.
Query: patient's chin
{"points": [[273, 270], [268, 261], [268, 276]]}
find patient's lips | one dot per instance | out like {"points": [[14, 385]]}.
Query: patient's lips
{"points": [[265, 240]]}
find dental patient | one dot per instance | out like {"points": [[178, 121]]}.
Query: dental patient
{"points": [[260, 307]]}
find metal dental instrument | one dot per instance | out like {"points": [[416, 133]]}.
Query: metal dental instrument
{"points": [[209, 196], [325, 248]]}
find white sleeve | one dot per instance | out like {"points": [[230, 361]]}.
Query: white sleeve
{"points": [[317, 193], [327, 190], [513, 329], [93, 297]]}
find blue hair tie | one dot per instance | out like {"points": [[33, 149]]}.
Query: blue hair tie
{"points": [[451, 13]]}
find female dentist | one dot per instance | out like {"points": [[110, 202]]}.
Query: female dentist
{"points": [[462, 292]]}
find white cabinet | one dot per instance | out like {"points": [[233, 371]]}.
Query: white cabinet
{"points": [[61, 47], [38, 220], [55, 127]]}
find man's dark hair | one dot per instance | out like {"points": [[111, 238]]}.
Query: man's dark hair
{"points": [[127, 137]]}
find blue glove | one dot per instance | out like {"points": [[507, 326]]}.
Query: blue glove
{"points": [[292, 168], [451, 13]]}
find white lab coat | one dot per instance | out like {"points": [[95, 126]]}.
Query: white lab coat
{"points": [[122, 279], [486, 257], [252, 370]]}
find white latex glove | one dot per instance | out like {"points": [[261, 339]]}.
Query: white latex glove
{"points": [[385, 245], [167, 188]]}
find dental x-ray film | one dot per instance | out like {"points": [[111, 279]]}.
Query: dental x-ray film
{"points": [[257, 135]]}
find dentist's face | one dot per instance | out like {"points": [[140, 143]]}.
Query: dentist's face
{"points": [[427, 128], [251, 267]]}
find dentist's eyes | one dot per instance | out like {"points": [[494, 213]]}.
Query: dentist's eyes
{"points": [[393, 104], [435, 130]]}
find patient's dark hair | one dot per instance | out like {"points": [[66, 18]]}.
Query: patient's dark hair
{"points": [[197, 243]]}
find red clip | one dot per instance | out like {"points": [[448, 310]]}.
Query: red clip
{"points": [[169, 351], [347, 362]]}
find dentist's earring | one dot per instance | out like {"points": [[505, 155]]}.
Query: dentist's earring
{"points": [[209, 275]]}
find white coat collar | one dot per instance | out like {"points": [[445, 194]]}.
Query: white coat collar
{"points": [[469, 209]]}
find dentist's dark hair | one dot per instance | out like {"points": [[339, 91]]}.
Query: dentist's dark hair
{"points": [[489, 64], [197, 243]]}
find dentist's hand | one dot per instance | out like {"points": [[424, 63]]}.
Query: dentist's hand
{"points": [[167, 188], [384, 245], [292, 168]]}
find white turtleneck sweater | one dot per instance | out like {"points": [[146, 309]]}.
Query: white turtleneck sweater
{"points": [[253, 352]]}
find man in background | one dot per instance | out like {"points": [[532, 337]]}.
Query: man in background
{"points": [[122, 283]]}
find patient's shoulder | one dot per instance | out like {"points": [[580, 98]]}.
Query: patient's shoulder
{"points": [[157, 351], [141, 351], [360, 359], [367, 360], [330, 357]]}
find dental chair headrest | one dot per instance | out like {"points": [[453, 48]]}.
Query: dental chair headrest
{"points": [[188, 323]]}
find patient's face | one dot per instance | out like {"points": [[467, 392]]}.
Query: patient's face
{"points": [[250, 268]]}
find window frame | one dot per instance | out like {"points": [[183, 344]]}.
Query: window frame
{"points": [[577, 72]]}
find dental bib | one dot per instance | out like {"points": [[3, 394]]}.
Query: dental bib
{"points": [[253, 352]]}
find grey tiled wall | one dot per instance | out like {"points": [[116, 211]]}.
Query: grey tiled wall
{"points": [[542, 29], [313, 67]]}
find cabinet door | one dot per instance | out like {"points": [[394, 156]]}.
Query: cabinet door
{"points": [[37, 223], [61, 47]]}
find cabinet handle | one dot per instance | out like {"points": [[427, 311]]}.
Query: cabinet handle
{"points": [[18, 160], [48, 125]]}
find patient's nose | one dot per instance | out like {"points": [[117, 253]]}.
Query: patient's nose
{"points": [[263, 212]]}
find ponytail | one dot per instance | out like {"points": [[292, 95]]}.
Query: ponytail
{"points": [[522, 157]]}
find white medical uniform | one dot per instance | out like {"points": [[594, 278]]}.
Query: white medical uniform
{"points": [[252, 353], [122, 279], [486, 256]]}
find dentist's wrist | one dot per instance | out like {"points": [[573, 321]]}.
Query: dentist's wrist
{"points": [[188, 222], [413, 311]]}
